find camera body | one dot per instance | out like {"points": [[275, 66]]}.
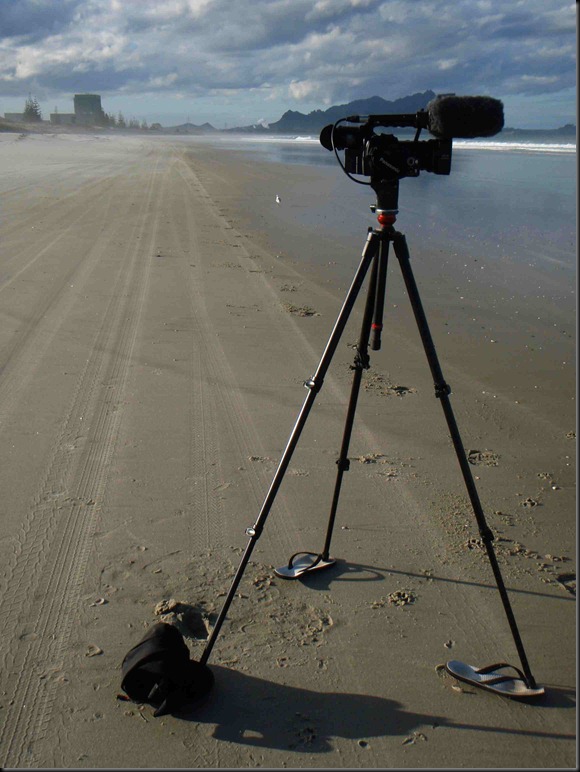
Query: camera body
{"points": [[384, 156]]}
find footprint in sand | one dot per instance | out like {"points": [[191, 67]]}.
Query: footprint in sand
{"points": [[378, 384], [300, 310], [483, 457]]}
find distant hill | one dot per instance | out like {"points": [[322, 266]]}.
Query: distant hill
{"points": [[190, 128], [565, 133], [293, 122]]}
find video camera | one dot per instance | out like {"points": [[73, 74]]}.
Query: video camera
{"points": [[386, 159], [381, 155]]}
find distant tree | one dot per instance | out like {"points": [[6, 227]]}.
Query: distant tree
{"points": [[111, 120], [121, 121], [36, 108], [144, 125], [32, 111], [133, 123], [102, 119]]}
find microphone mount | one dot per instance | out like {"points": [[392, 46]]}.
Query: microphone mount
{"points": [[418, 120]]}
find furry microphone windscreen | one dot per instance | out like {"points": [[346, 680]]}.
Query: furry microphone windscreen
{"points": [[465, 117]]}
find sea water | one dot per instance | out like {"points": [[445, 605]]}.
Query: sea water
{"points": [[502, 225], [495, 238], [492, 245]]}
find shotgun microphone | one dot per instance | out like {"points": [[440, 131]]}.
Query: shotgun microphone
{"points": [[464, 117]]}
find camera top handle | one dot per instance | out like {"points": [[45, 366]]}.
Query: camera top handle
{"points": [[331, 139]]}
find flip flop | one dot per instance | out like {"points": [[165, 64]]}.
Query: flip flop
{"points": [[492, 679], [308, 562]]}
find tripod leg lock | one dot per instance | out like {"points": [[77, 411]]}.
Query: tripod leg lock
{"points": [[442, 390], [313, 385], [343, 464]]}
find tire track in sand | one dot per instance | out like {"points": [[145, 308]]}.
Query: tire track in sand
{"points": [[65, 215], [207, 517], [223, 397], [44, 578], [22, 355]]}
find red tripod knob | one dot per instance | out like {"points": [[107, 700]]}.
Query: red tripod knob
{"points": [[386, 219]]}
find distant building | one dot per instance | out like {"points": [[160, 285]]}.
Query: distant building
{"points": [[63, 119], [88, 109], [16, 117]]}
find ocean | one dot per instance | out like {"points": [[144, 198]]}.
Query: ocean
{"points": [[513, 201], [494, 238], [493, 244]]}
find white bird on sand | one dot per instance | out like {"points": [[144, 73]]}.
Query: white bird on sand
{"points": [[278, 201]]}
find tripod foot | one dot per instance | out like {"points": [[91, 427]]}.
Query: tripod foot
{"points": [[494, 678], [297, 566]]}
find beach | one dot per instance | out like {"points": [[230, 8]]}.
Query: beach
{"points": [[160, 315]]}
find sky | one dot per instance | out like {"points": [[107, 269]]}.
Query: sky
{"points": [[241, 62]]}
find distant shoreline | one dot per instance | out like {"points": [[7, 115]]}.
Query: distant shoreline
{"points": [[562, 134]]}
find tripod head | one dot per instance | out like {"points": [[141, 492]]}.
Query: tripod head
{"points": [[386, 159]]}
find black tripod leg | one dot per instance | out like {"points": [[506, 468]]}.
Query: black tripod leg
{"points": [[313, 385], [377, 323], [442, 391], [372, 321]]}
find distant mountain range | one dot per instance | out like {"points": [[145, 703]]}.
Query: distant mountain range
{"points": [[296, 123], [187, 128], [293, 122], [565, 133]]}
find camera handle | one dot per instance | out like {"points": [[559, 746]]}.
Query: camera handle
{"points": [[375, 252]]}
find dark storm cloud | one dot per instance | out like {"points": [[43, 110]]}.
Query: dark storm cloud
{"points": [[297, 50], [246, 24], [30, 20]]}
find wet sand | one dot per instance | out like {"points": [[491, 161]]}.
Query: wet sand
{"points": [[160, 314]]}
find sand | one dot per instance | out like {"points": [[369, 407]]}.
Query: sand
{"points": [[159, 316]]}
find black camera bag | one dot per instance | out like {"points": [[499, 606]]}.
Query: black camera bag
{"points": [[158, 671]]}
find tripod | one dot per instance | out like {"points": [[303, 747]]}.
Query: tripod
{"points": [[375, 254]]}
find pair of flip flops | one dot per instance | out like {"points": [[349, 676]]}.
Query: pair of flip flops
{"points": [[308, 561], [494, 678]]}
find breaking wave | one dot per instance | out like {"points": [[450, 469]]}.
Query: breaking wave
{"points": [[459, 144]]}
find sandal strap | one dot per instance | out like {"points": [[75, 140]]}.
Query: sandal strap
{"points": [[500, 666], [295, 555], [501, 679]]}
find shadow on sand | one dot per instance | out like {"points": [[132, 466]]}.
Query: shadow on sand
{"points": [[253, 711], [344, 571]]}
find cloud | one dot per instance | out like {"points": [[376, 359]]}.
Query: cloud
{"points": [[30, 20], [305, 51], [79, 52]]}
